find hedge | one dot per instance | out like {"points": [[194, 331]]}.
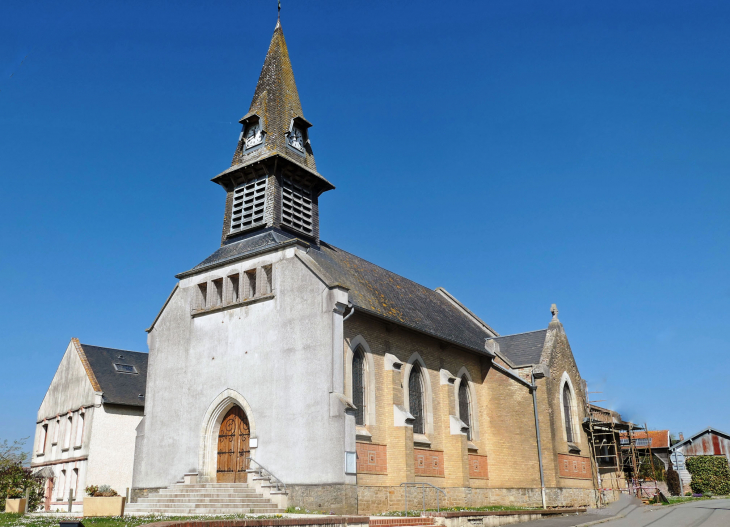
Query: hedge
{"points": [[710, 474]]}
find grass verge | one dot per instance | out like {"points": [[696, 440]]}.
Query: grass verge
{"points": [[18, 520]]}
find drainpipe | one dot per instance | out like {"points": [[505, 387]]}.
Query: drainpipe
{"points": [[537, 430], [352, 310]]}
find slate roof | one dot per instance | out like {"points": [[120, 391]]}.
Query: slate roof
{"points": [[241, 248], [118, 388], [387, 295], [522, 349], [372, 289]]}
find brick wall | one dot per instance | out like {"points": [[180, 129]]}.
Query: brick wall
{"points": [[503, 410]]}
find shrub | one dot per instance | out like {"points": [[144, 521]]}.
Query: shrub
{"points": [[710, 474], [673, 483], [100, 491], [15, 479]]}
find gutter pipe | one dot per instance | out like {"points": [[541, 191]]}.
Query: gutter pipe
{"points": [[533, 388], [352, 310]]}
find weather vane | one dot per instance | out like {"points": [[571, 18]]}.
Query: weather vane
{"points": [[278, 13]]}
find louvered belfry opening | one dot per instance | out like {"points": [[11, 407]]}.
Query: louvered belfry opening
{"points": [[249, 204], [415, 398], [296, 205], [358, 386], [464, 409], [567, 405], [267, 154]]}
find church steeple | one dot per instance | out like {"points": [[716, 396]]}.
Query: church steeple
{"points": [[273, 180]]}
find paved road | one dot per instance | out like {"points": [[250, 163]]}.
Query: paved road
{"points": [[705, 513]]}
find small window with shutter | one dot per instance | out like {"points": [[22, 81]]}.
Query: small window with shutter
{"points": [[202, 296], [218, 291], [250, 284], [249, 204], [234, 293], [268, 286]]}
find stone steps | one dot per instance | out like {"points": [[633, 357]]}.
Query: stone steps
{"points": [[217, 499], [204, 498]]}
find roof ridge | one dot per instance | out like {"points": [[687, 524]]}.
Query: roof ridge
{"points": [[515, 334]]}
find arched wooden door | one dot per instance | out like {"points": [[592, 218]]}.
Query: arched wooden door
{"points": [[233, 449]]}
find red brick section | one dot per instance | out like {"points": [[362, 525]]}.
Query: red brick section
{"points": [[371, 458], [478, 467], [284, 522], [574, 466], [428, 462], [544, 512], [390, 522]]}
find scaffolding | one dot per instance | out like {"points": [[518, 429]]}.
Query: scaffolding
{"points": [[617, 463]]}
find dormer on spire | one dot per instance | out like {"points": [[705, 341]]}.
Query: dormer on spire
{"points": [[273, 180]]}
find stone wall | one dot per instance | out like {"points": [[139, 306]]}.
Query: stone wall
{"points": [[373, 500], [337, 499], [136, 493]]}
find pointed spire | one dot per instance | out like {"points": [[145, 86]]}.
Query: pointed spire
{"points": [[277, 107]]}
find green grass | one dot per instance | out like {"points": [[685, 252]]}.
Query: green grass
{"points": [[457, 509], [17, 520], [675, 500]]}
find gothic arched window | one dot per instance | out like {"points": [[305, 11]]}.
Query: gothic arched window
{"points": [[358, 385], [567, 412], [415, 399], [464, 406]]}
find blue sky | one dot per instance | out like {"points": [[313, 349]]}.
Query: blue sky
{"points": [[517, 153]]}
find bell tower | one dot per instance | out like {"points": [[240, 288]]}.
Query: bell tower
{"points": [[273, 182]]}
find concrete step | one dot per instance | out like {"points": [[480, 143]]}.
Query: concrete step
{"points": [[234, 495], [202, 510], [242, 501], [207, 485], [188, 492]]}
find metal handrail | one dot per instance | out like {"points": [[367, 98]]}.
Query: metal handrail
{"points": [[423, 487], [269, 474]]}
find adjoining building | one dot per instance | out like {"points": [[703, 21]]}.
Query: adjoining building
{"points": [[654, 441], [86, 424], [344, 380], [707, 442]]}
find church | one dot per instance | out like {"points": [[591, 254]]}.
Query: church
{"points": [[287, 364]]}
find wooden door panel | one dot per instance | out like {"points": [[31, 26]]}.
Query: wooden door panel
{"points": [[233, 447]]}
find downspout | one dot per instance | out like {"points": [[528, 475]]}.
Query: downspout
{"points": [[352, 310], [537, 431]]}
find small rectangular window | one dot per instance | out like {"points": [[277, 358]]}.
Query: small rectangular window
{"points": [[251, 283], [234, 293], [61, 484], [125, 368], [42, 439], [79, 430], [218, 291], [268, 284], [55, 431], [67, 434], [202, 295]]}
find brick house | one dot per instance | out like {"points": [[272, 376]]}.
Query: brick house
{"points": [[343, 379]]}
